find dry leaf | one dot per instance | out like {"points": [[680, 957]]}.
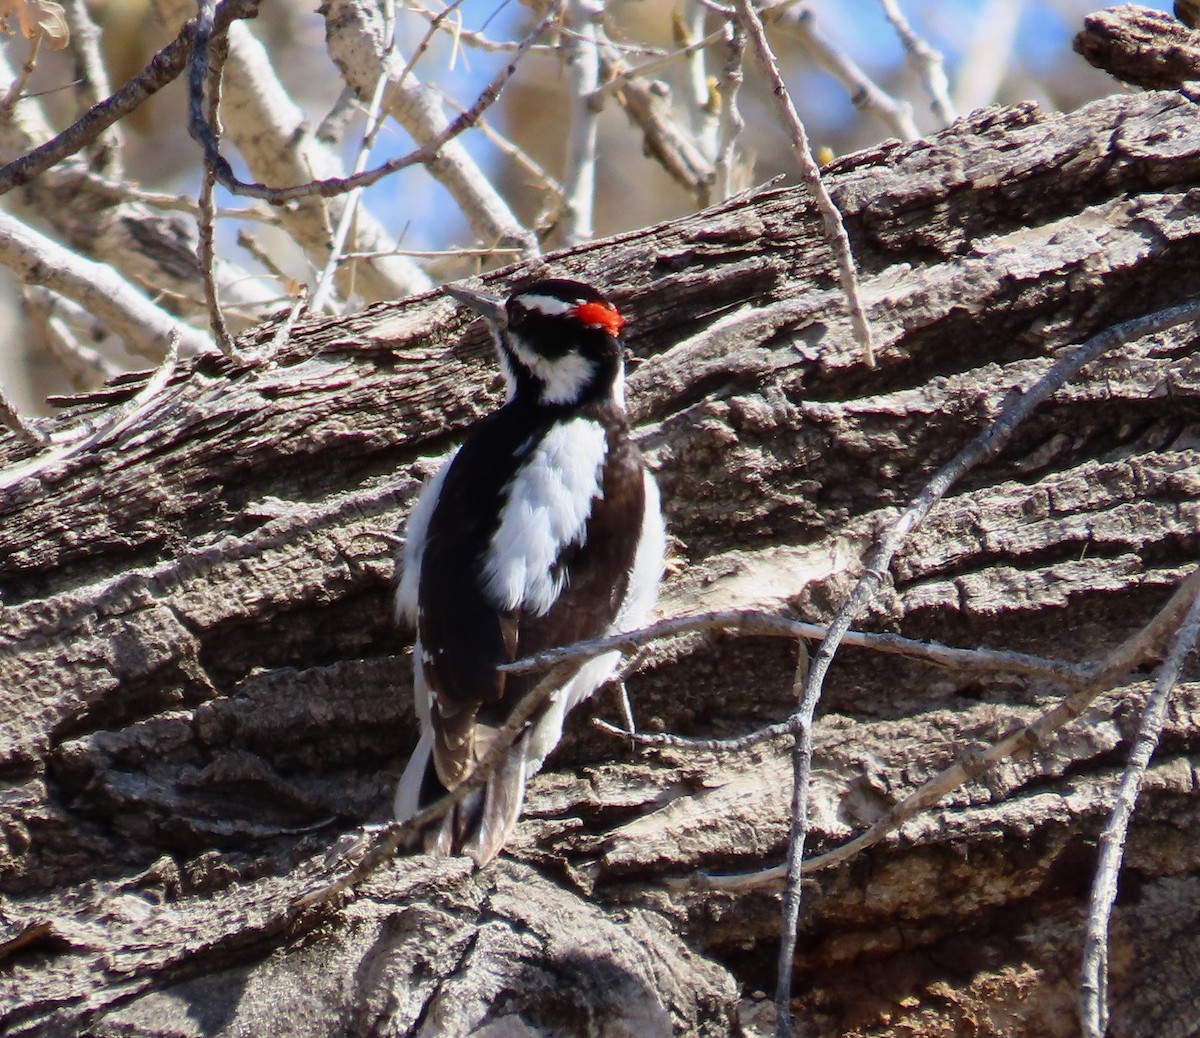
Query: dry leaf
{"points": [[35, 17]]}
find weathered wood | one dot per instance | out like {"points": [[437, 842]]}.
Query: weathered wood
{"points": [[1141, 46], [204, 689]]}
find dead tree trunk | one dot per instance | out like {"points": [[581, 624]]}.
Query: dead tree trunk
{"points": [[203, 687]]}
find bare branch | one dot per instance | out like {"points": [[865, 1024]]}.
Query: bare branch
{"points": [[91, 82], [583, 75], [272, 136], [38, 260], [984, 446], [123, 191], [927, 60], [355, 40], [835, 231], [867, 96], [207, 58], [1088, 681], [754, 623], [731, 122], [1093, 983], [163, 68]]}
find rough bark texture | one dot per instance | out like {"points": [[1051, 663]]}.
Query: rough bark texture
{"points": [[203, 688], [1140, 46]]}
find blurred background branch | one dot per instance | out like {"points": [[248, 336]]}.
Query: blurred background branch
{"points": [[549, 161]]}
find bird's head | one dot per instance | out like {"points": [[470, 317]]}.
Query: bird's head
{"points": [[559, 341]]}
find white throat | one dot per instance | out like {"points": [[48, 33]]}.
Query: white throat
{"points": [[563, 378]]}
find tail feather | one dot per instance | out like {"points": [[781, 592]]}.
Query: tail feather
{"points": [[480, 824]]}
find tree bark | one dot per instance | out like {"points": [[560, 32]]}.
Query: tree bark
{"points": [[204, 688]]}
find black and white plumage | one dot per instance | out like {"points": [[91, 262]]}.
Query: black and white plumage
{"points": [[542, 529]]}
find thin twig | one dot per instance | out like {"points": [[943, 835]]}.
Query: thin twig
{"points": [[1088, 682], [325, 282], [655, 65], [835, 230], [163, 68], [513, 153], [435, 253], [927, 60], [985, 446], [284, 332], [756, 623], [122, 191], [253, 246], [731, 122], [17, 89], [1093, 982], [204, 69]]}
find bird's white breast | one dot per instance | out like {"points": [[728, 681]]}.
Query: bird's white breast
{"points": [[546, 509]]}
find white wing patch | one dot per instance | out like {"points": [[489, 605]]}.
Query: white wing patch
{"points": [[416, 531], [547, 508]]}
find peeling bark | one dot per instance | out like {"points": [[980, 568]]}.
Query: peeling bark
{"points": [[204, 689]]}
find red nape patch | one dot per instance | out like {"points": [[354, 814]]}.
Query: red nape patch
{"points": [[600, 315]]}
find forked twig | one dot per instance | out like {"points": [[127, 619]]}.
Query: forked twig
{"points": [[986, 445], [1088, 681], [332, 186], [164, 68]]}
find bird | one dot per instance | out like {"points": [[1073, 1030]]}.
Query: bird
{"points": [[543, 528]]}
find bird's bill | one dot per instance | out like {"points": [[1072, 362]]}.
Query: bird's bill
{"points": [[484, 304]]}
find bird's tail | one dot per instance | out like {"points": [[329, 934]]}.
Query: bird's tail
{"points": [[480, 824]]}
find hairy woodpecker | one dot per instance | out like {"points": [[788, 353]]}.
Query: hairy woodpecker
{"points": [[542, 529]]}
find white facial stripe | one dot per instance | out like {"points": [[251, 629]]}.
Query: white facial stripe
{"points": [[563, 378], [547, 508], [552, 306]]}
